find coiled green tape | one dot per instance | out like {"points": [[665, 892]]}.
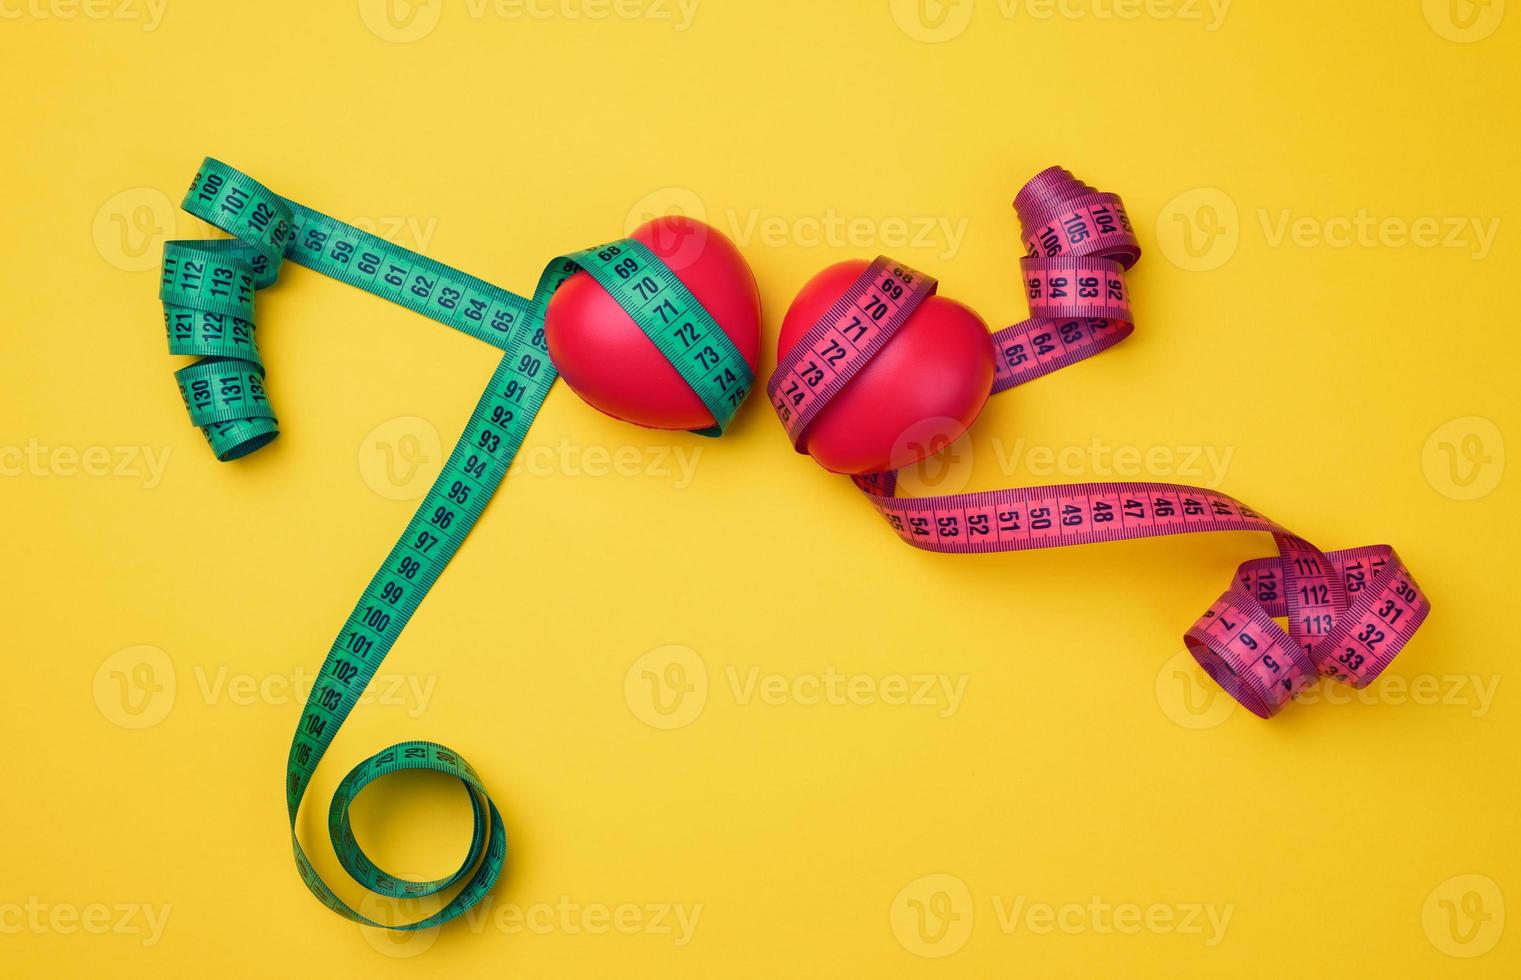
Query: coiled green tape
{"points": [[208, 290]]}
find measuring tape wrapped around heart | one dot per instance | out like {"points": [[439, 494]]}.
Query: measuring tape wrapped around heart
{"points": [[662, 329], [670, 344], [875, 372]]}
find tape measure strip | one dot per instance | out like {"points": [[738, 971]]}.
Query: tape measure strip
{"points": [[1349, 612], [208, 292], [1062, 216], [847, 336]]}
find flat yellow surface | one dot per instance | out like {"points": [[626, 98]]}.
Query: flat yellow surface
{"points": [[735, 727]]}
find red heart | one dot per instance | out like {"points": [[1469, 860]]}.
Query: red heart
{"points": [[914, 398], [607, 360]]}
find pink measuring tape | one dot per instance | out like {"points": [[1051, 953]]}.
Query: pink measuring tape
{"points": [[1348, 612]]}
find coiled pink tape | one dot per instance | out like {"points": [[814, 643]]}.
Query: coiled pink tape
{"points": [[1348, 612]]}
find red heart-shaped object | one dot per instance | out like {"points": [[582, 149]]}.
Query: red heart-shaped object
{"points": [[921, 391], [607, 360]]}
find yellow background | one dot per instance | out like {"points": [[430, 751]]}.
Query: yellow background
{"points": [[818, 839]]}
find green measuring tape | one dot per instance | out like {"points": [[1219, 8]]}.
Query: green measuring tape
{"points": [[208, 292]]}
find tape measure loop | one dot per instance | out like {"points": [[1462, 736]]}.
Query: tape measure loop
{"points": [[260, 219], [1247, 653], [1061, 215], [208, 290], [1346, 614], [198, 333], [236, 439], [426, 756]]}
